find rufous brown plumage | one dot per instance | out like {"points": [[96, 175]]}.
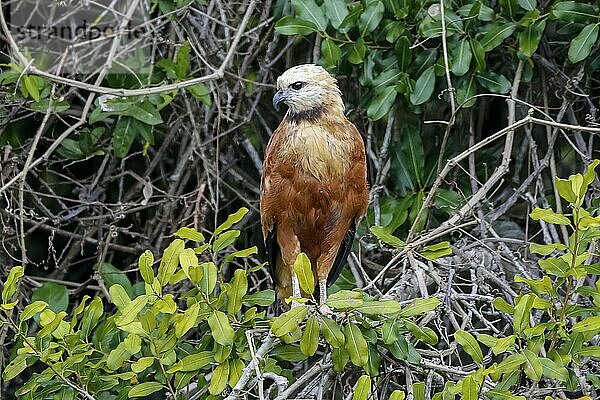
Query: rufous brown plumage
{"points": [[314, 186]]}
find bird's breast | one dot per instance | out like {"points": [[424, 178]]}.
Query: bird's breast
{"points": [[318, 150]]}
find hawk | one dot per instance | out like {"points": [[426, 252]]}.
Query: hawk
{"points": [[314, 185]]}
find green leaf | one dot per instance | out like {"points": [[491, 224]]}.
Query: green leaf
{"points": [[552, 370], [362, 390], [241, 254], [231, 220], [549, 216], [581, 45], [261, 298], [236, 370], [182, 61], [382, 104], [510, 7], [91, 316], [386, 237], [523, 312], [31, 85], [470, 345], [294, 26], [590, 324], [54, 294], [288, 352], [565, 190], [356, 345], [493, 82], [423, 87], [465, 90], [209, 277], [420, 306], [220, 328], [574, 11], [52, 325], [336, 11], [437, 250], [424, 334], [496, 35], [461, 58], [200, 92], [546, 249], [397, 395], [15, 367], [345, 299], [590, 351], [371, 17], [310, 337], [111, 275], [510, 363], [219, 378], [330, 52], [504, 344], [332, 332], [529, 38], [32, 309], [554, 266], [309, 11], [145, 265], [225, 239], [130, 312], [502, 305], [288, 321], [304, 273], [145, 112], [187, 320], [170, 261], [478, 55], [532, 365], [190, 234], [119, 296], [144, 389], [124, 133], [196, 361], [237, 290], [470, 389], [390, 330], [528, 4], [378, 307], [142, 364], [357, 50]]}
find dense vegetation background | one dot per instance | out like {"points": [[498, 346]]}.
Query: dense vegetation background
{"points": [[469, 110]]}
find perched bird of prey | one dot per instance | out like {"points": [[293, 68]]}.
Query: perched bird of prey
{"points": [[314, 184]]}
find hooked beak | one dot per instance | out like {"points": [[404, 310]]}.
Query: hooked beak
{"points": [[279, 97]]}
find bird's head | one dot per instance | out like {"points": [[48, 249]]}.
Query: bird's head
{"points": [[308, 90]]}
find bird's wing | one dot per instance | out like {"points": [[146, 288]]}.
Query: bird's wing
{"points": [[342, 255]]}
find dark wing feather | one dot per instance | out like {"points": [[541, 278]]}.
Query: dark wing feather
{"points": [[272, 248], [342, 255]]}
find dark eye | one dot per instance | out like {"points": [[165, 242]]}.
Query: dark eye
{"points": [[297, 85]]}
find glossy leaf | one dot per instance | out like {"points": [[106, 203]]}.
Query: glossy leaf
{"points": [[169, 261], [310, 337], [144, 389], [304, 273], [496, 35], [220, 328], [288, 321], [581, 46], [356, 345], [469, 344], [294, 26], [309, 11], [362, 388], [423, 87], [461, 58]]}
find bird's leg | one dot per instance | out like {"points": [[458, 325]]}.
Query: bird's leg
{"points": [[324, 308], [295, 289]]}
